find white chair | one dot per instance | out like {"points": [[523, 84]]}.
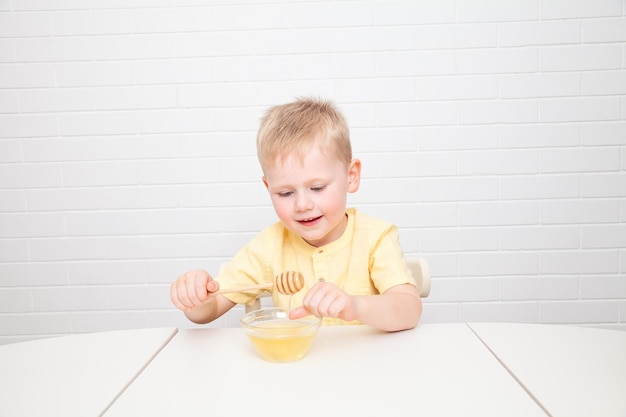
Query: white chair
{"points": [[418, 266]]}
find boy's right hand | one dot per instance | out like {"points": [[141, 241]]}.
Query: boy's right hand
{"points": [[193, 289]]}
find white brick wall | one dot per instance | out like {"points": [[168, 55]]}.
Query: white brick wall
{"points": [[493, 132]]}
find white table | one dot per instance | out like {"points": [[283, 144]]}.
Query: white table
{"points": [[433, 370], [571, 371], [78, 375]]}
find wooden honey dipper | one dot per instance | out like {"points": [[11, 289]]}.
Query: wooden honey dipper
{"points": [[289, 282]]}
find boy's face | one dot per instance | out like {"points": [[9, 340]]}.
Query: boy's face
{"points": [[310, 195]]}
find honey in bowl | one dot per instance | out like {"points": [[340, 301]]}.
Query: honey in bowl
{"points": [[277, 338]]}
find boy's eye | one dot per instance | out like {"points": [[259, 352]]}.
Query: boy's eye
{"points": [[285, 193], [320, 188]]}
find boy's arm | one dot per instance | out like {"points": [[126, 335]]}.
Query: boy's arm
{"points": [[399, 308]]}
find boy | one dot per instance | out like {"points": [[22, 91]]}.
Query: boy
{"points": [[353, 266]]}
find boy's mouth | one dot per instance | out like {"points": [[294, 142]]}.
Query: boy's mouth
{"points": [[310, 222]]}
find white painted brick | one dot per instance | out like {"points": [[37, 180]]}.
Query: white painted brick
{"points": [[410, 114], [498, 263], [539, 187], [107, 272], [457, 88], [603, 133], [59, 299], [289, 41], [15, 250], [103, 321], [498, 213], [579, 160], [582, 109], [11, 151], [30, 176], [354, 65], [603, 287], [247, 219], [456, 189], [539, 85], [440, 313], [580, 58], [494, 10], [539, 237], [604, 30], [215, 94], [27, 75], [57, 149], [9, 102], [53, 49], [546, 32], [23, 274], [352, 39], [415, 63], [225, 195], [400, 190], [100, 174], [418, 164], [16, 300], [564, 9], [183, 19], [465, 290], [90, 74], [604, 236], [604, 82], [458, 240], [579, 211], [100, 123], [498, 111], [501, 162], [63, 199], [18, 24], [37, 5], [421, 215], [443, 265], [31, 225], [101, 22], [15, 126], [414, 12], [578, 312], [506, 312], [140, 197], [12, 201], [174, 71], [497, 60], [458, 138], [142, 247], [603, 185], [138, 297], [539, 135], [152, 97], [75, 249], [35, 324], [578, 262], [57, 100], [456, 36], [539, 288], [329, 14], [381, 90], [179, 171], [365, 140]]}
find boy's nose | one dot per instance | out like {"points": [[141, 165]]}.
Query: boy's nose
{"points": [[303, 203]]}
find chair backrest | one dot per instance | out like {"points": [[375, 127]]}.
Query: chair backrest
{"points": [[421, 272], [418, 266]]}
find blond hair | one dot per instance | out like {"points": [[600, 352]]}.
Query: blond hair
{"points": [[297, 126]]}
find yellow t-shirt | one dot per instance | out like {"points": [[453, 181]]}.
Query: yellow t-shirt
{"points": [[367, 259]]}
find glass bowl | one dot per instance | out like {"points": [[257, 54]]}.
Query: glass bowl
{"points": [[276, 337]]}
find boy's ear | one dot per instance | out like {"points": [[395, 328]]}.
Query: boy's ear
{"points": [[354, 175], [264, 182]]}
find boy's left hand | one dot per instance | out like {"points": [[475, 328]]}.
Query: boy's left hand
{"points": [[326, 300]]}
